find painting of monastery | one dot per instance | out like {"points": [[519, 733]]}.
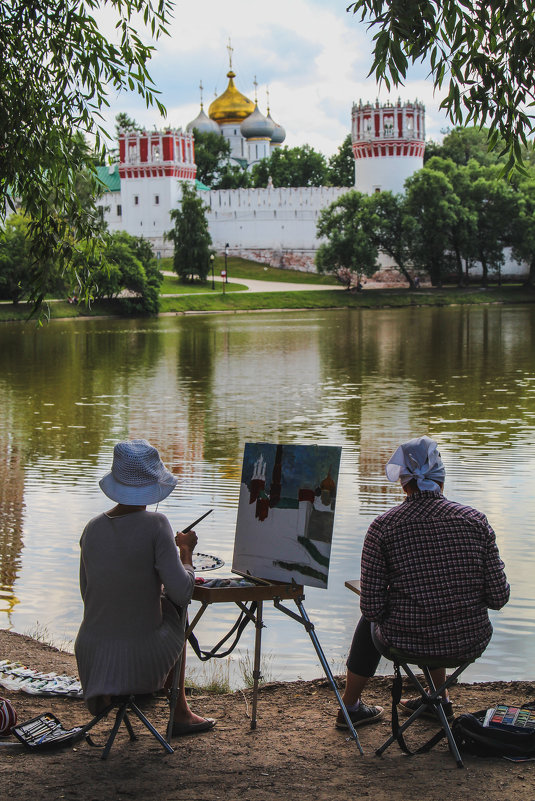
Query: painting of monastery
{"points": [[286, 512]]}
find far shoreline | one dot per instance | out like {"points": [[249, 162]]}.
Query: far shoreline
{"points": [[286, 301]]}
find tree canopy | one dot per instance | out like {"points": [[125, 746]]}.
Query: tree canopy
{"points": [[350, 245], [462, 144], [191, 237], [481, 54], [56, 73], [342, 165], [291, 166], [212, 152], [451, 218]]}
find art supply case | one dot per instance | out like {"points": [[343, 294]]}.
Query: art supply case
{"points": [[46, 731]]}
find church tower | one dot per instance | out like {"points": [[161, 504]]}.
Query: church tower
{"points": [[151, 167], [388, 144]]}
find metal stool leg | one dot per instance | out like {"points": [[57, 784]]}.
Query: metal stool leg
{"points": [[129, 728], [121, 711], [431, 698], [137, 711]]}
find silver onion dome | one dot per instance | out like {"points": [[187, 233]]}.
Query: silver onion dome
{"points": [[256, 126], [203, 124], [279, 134]]}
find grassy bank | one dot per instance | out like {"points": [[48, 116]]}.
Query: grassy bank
{"points": [[336, 299], [215, 301], [238, 268], [171, 285]]}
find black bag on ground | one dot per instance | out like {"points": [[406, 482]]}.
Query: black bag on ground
{"points": [[472, 736]]}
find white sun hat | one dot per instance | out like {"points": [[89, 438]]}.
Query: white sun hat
{"points": [[138, 477], [420, 459]]}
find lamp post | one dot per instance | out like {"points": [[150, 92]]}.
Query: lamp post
{"points": [[212, 263], [226, 258]]}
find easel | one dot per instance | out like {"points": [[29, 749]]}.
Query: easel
{"points": [[268, 591]]}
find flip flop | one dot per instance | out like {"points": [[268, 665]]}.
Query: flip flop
{"points": [[182, 729]]}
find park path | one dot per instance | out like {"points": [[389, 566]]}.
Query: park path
{"points": [[255, 285]]}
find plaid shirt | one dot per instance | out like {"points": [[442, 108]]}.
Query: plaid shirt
{"points": [[430, 570]]}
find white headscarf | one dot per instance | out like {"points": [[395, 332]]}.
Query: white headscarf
{"points": [[420, 459]]}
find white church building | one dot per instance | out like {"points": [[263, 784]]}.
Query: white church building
{"points": [[276, 226]]}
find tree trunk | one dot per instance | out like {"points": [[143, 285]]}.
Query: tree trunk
{"points": [[485, 276], [530, 280], [467, 265], [459, 263], [405, 273], [435, 274]]}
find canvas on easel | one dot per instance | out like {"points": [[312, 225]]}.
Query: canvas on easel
{"points": [[286, 512]]}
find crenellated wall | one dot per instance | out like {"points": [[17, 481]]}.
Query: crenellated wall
{"points": [[274, 220]]}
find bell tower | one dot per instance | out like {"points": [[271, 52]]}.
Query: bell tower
{"points": [[388, 144]]}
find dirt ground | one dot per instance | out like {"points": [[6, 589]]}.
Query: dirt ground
{"points": [[295, 752]]}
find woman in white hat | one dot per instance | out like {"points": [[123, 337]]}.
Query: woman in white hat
{"points": [[131, 636]]}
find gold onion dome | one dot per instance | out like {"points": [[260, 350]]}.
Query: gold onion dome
{"points": [[231, 106]]}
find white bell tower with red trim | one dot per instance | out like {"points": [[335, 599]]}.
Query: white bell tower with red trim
{"points": [[388, 144], [152, 167]]}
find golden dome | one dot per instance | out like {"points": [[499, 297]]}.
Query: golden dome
{"points": [[231, 106]]}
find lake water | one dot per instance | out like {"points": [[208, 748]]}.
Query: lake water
{"points": [[199, 387]]}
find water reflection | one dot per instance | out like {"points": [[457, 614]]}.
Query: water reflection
{"points": [[199, 387]]}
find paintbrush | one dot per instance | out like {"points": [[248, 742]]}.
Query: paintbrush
{"points": [[192, 525]]}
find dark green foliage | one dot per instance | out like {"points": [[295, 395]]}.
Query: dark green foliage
{"points": [[393, 229], [232, 176], [481, 55], [15, 259], [138, 271], [18, 266], [291, 166], [190, 236], [123, 122], [342, 165], [212, 152], [346, 224], [434, 208], [463, 144], [56, 73], [523, 226]]}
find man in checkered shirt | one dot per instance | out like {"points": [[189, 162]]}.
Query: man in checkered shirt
{"points": [[430, 571]]}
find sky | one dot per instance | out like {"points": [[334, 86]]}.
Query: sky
{"points": [[313, 57]]}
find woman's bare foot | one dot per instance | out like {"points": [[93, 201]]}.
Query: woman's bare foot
{"points": [[187, 718]]}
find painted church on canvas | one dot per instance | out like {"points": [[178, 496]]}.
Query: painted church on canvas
{"points": [[286, 512]]}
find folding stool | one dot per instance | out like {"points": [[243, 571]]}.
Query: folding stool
{"points": [[430, 698], [124, 704]]}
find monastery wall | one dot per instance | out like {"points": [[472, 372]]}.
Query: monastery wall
{"points": [[276, 226]]}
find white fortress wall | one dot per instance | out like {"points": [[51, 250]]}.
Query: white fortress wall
{"points": [[266, 224], [385, 173], [111, 205], [147, 205]]}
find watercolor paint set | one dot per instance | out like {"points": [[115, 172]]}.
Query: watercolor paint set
{"points": [[503, 716]]}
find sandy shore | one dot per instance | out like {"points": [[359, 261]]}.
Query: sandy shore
{"points": [[294, 752]]}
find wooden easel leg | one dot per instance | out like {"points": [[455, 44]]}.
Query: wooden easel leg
{"points": [[175, 682], [256, 668]]}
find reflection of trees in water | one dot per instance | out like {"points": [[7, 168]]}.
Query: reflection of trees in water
{"points": [[414, 367], [69, 384], [12, 506], [266, 378], [463, 372]]}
